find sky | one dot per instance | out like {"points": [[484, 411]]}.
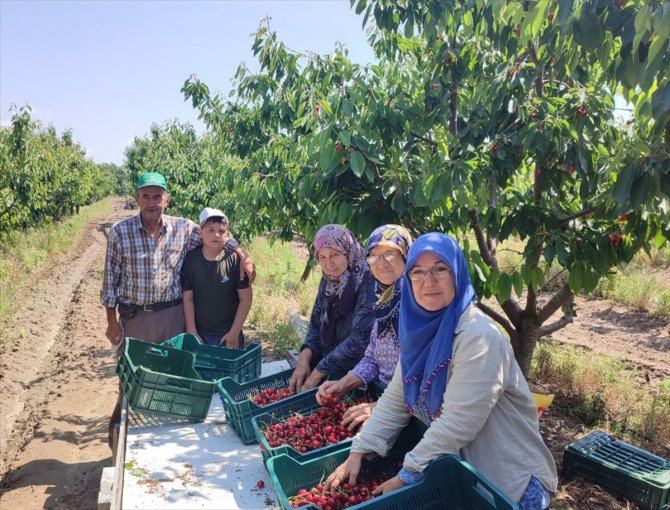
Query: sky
{"points": [[108, 70]]}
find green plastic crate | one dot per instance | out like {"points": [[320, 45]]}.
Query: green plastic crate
{"points": [[305, 404], [213, 362], [621, 468], [239, 408], [450, 483], [160, 380]]}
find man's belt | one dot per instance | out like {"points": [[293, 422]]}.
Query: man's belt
{"points": [[154, 307]]}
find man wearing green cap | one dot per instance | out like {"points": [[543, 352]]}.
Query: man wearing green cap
{"points": [[145, 253]]}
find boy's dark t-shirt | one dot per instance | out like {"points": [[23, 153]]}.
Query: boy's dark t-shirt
{"points": [[214, 284]]}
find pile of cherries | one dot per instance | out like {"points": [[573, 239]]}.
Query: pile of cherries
{"points": [[342, 497], [270, 396], [312, 431]]}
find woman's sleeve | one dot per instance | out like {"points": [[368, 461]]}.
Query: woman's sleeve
{"points": [[313, 338], [350, 350], [386, 422], [367, 369], [474, 388]]}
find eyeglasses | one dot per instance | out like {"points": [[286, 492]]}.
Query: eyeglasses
{"points": [[389, 256], [438, 272]]}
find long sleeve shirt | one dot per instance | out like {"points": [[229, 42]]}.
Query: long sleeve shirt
{"points": [[353, 331], [379, 360], [488, 416], [140, 270]]}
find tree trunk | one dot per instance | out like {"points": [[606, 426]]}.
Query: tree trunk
{"points": [[306, 272], [524, 344]]}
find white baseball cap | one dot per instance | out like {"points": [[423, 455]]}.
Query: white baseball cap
{"points": [[210, 212]]}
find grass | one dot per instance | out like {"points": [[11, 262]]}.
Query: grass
{"points": [[279, 295], [603, 391], [25, 253], [636, 288]]}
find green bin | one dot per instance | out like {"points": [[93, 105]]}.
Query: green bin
{"points": [[214, 362], [449, 483], [621, 468], [305, 404], [160, 380], [240, 409]]}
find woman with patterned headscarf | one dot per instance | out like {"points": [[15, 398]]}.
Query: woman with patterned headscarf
{"points": [[386, 252], [342, 316], [458, 374]]}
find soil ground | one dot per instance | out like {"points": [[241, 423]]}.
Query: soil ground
{"points": [[58, 386]]}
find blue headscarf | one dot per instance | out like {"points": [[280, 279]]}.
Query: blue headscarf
{"points": [[426, 338]]}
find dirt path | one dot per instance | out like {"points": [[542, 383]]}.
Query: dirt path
{"points": [[58, 385]]}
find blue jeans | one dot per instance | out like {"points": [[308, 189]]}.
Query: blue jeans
{"points": [[216, 339], [536, 497]]}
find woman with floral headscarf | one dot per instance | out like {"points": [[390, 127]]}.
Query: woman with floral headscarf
{"points": [[342, 316], [457, 373], [385, 253]]}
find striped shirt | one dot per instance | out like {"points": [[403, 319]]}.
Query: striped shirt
{"points": [[142, 271]]}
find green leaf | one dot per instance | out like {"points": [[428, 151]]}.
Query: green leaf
{"points": [[537, 278], [345, 138], [575, 278], [590, 279], [504, 287], [621, 191], [360, 6], [587, 29], [357, 162], [326, 106], [327, 155], [661, 20]]}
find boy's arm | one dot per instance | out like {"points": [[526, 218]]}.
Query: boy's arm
{"points": [[189, 312], [232, 338]]}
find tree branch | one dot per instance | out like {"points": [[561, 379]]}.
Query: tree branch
{"points": [[555, 326], [420, 137], [555, 303], [507, 325], [453, 98], [580, 214], [481, 240]]}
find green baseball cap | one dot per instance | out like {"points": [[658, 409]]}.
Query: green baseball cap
{"points": [[151, 179]]}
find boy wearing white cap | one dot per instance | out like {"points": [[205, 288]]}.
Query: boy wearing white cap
{"points": [[216, 300]]}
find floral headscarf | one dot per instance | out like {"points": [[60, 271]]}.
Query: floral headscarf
{"points": [[427, 338], [340, 293], [387, 307]]}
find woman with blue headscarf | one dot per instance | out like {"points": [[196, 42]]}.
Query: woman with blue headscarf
{"points": [[457, 373]]}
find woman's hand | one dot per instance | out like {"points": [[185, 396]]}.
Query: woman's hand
{"points": [[300, 375], [389, 485], [302, 371], [347, 472], [356, 416], [314, 379], [335, 389]]}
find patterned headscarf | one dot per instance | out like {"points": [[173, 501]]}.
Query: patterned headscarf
{"points": [[387, 307], [426, 338], [340, 293]]}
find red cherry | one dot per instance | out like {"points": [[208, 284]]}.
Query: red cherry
{"points": [[260, 484]]}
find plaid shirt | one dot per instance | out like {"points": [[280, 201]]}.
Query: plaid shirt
{"points": [[140, 270]]}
